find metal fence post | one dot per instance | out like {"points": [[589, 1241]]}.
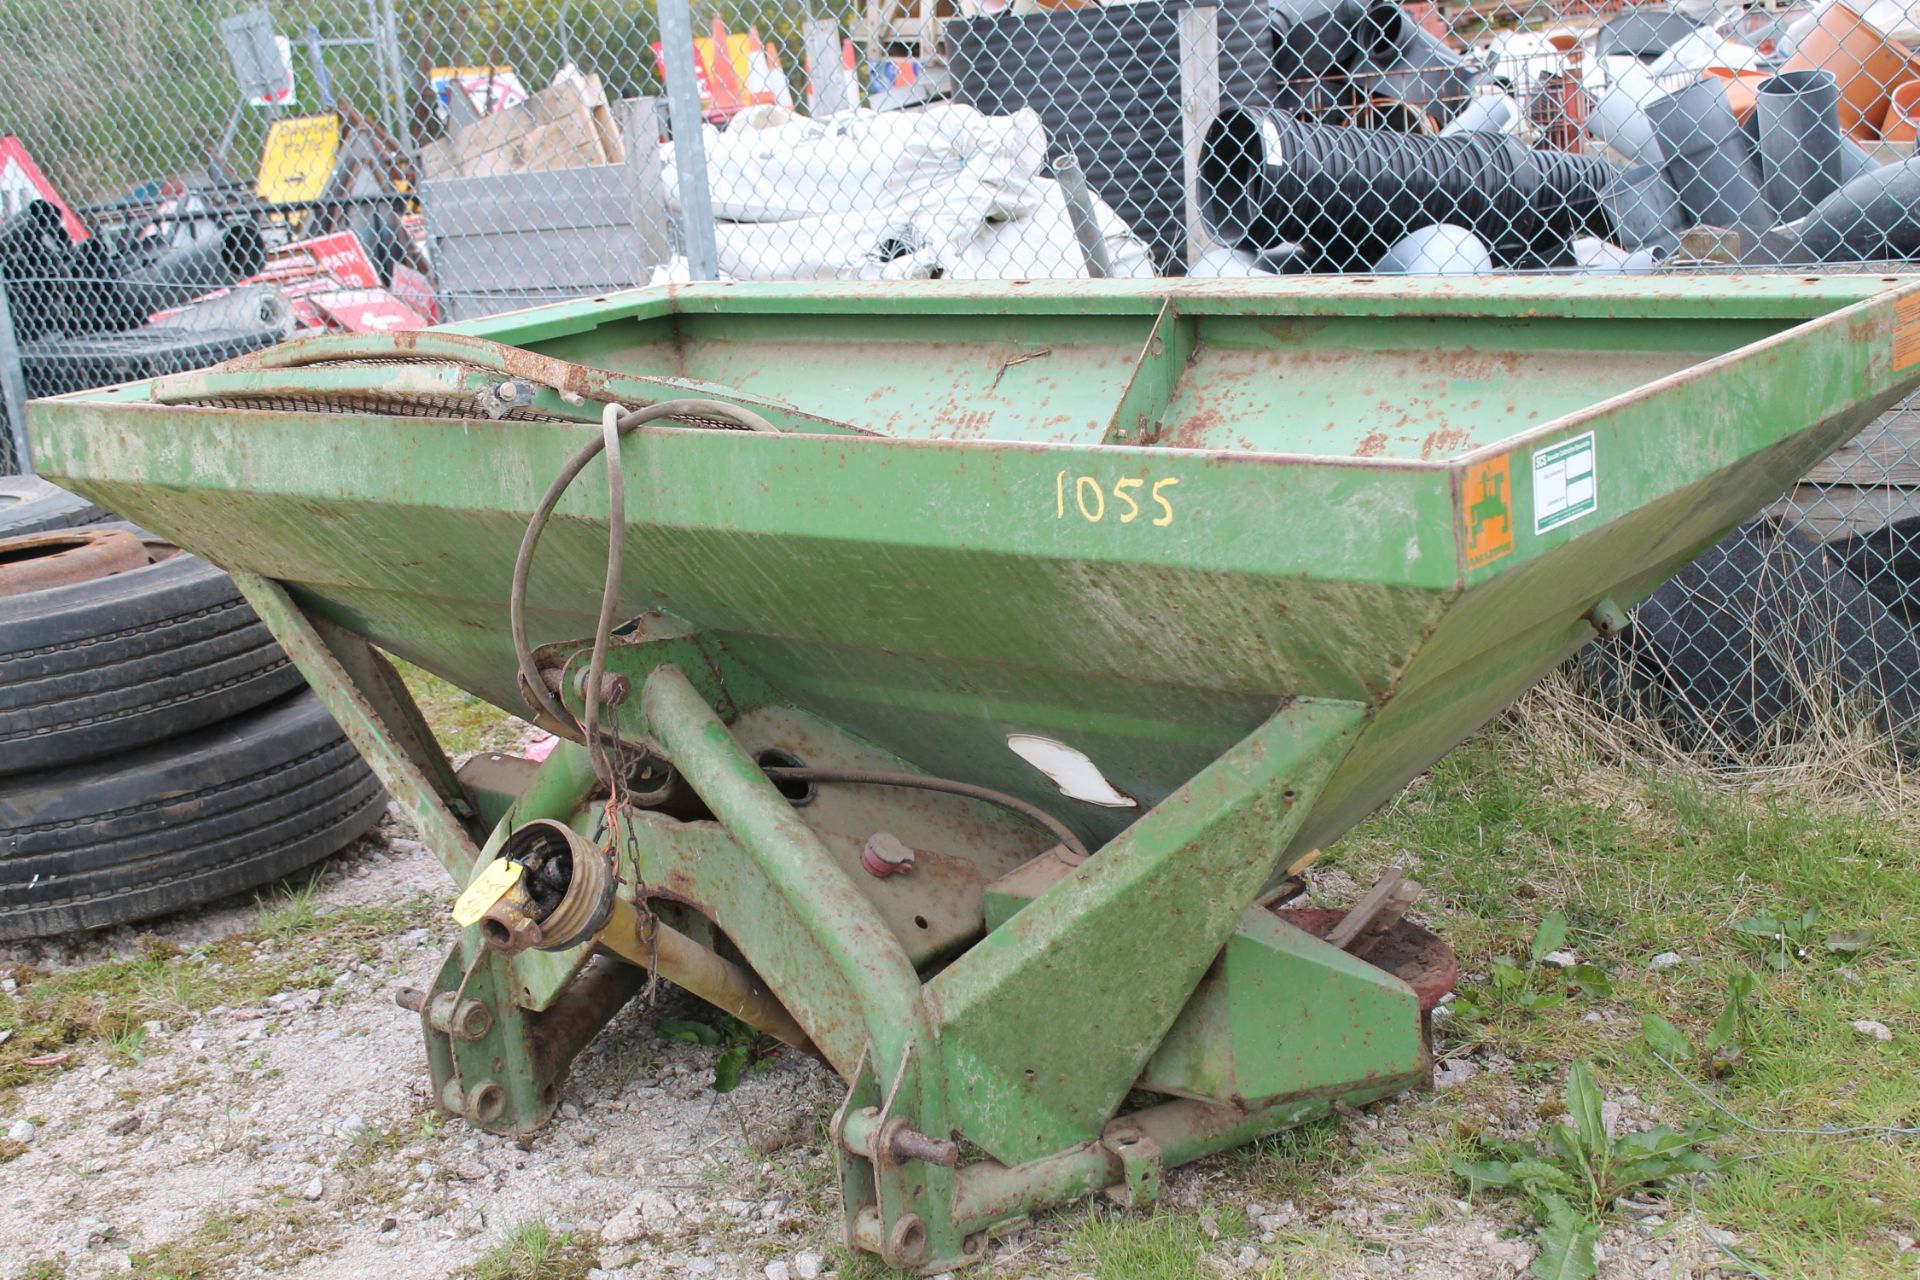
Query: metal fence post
{"points": [[689, 148], [1199, 104], [13, 389], [639, 120], [385, 60], [828, 79]]}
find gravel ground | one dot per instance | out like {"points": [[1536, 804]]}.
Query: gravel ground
{"points": [[295, 1138]]}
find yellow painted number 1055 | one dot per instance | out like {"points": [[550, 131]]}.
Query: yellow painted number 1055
{"points": [[1090, 498]]}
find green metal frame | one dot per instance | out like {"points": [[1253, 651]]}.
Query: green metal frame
{"points": [[974, 1052], [1305, 629]]}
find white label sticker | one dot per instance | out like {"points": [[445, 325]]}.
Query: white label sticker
{"points": [[1564, 483]]}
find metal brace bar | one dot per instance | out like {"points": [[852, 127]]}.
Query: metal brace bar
{"points": [[407, 760], [13, 388]]}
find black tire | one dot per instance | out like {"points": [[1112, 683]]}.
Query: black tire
{"points": [[110, 665], [180, 823], [1887, 559], [31, 505], [1754, 641]]}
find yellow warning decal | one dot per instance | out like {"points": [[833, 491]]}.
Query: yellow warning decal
{"points": [[1906, 331], [487, 888], [1487, 509]]}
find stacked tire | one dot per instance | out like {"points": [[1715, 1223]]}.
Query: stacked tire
{"points": [[157, 748]]}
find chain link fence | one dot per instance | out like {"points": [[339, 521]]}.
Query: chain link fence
{"points": [[185, 180]]}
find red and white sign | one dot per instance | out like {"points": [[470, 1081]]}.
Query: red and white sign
{"points": [[307, 317], [414, 289], [734, 72], [21, 182], [282, 97], [367, 310], [338, 255]]}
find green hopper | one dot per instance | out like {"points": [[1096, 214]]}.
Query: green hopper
{"points": [[981, 661]]}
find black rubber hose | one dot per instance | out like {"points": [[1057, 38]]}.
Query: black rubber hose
{"points": [[1267, 178], [172, 276], [1874, 218]]}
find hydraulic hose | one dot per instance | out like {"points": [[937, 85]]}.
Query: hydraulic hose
{"points": [[615, 424], [1346, 194], [924, 782]]}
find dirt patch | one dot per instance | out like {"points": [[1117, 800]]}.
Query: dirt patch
{"points": [[293, 1136]]}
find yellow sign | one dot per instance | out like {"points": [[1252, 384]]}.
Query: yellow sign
{"points": [[298, 158], [487, 888]]}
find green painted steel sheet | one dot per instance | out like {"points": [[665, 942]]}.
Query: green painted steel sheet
{"points": [[1401, 494]]}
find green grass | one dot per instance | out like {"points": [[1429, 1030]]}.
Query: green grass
{"points": [[1643, 862], [294, 944], [534, 1250], [463, 723], [275, 1237], [293, 912], [1161, 1246]]}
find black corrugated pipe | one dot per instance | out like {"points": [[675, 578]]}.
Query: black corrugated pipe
{"points": [[1348, 194], [1874, 218]]}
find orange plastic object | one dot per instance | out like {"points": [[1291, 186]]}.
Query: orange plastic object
{"points": [[1902, 121], [1866, 62], [1740, 88]]}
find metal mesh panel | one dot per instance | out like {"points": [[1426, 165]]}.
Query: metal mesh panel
{"points": [[186, 180]]}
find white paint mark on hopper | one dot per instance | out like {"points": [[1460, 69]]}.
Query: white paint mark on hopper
{"points": [[1078, 777]]}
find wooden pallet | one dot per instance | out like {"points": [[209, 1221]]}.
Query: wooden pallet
{"points": [[1872, 480], [564, 126]]}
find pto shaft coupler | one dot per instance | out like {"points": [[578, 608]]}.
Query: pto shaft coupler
{"points": [[561, 896]]}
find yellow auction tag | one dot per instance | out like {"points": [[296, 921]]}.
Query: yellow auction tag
{"points": [[487, 888]]}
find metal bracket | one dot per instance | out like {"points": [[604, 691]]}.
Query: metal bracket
{"points": [[859, 1195], [494, 1063], [640, 646], [498, 399], [1140, 1164]]}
